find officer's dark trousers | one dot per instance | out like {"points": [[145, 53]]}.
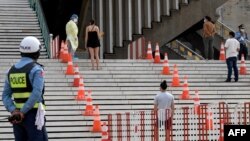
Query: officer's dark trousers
{"points": [[27, 130], [244, 51]]}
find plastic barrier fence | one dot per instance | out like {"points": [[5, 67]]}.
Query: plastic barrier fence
{"points": [[189, 124], [55, 48], [137, 49]]}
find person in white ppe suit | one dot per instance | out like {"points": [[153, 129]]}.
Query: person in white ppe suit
{"points": [[71, 32]]}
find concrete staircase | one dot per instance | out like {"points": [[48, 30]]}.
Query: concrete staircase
{"points": [[168, 20], [17, 20], [168, 28], [121, 85]]}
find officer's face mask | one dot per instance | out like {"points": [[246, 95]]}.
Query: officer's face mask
{"points": [[75, 21], [242, 30]]}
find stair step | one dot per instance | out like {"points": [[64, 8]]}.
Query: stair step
{"points": [[20, 30], [18, 25], [18, 19], [18, 22], [10, 40], [14, 3], [16, 11], [18, 56], [14, 16], [25, 6], [37, 34], [15, 53], [19, 36], [14, 43], [10, 43], [14, 49]]}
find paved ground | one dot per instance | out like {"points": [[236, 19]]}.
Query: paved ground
{"points": [[236, 12]]}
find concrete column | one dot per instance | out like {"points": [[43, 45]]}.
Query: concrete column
{"points": [[99, 21], [166, 7], [128, 20], [109, 26], [157, 11], [83, 21], [147, 8], [119, 24], [138, 17], [176, 4], [93, 9], [185, 1]]}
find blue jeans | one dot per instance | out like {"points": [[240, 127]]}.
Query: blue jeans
{"points": [[27, 130], [232, 63]]}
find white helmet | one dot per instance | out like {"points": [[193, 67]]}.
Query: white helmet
{"points": [[30, 44]]}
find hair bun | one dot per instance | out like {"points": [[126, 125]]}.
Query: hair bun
{"points": [[164, 84]]}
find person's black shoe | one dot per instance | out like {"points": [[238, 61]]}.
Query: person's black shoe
{"points": [[236, 80], [228, 80]]}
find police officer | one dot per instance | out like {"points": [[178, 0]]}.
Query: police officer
{"points": [[25, 84], [242, 37]]}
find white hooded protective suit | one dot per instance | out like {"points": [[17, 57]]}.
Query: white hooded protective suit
{"points": [[72, 31]]}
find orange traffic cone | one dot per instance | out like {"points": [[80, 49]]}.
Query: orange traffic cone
{"points": [[61, 51], [185, 92], [105, 136], [175, 80], [89, 106], [149, 52], [65, 55], [96, 111], [70, 69], [209, 120], [76, 82], [243, 68], [81, 91], [166, 70], [221, 138], [69, 59], [157, 54], [197, 103], [97, 124], [222, 52]]}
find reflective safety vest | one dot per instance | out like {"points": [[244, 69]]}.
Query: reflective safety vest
{"points": [[21, 86]]}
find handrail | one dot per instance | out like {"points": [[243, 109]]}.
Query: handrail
{"points": [[223, 30], [183, 49], [193, 52], [36, 5]]}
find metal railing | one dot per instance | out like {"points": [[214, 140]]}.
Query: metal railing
{"points": [[223, 30], [184, 50], [36, 5]]}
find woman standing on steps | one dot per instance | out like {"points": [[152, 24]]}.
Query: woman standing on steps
{"points": [[208, 37], [92, 42]]}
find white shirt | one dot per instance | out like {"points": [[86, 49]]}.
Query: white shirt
{"points": [[231, 47], [164, 100]]}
